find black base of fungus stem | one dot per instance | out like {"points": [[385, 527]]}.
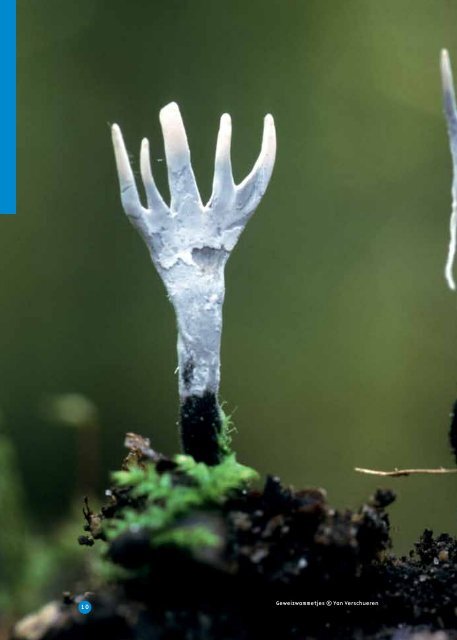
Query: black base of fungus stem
{"points": [[201, 426], [453, 431]]}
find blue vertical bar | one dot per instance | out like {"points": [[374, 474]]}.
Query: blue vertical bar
{"points": [[7, 106]]}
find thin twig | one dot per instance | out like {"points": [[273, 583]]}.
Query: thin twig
{"points": [[396, 473]]}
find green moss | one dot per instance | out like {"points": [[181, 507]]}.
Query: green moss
{"points": [[189, 537], [159, 501], [225, 436]]}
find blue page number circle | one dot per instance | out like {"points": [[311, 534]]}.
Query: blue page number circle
{"points": [[84, 607]]}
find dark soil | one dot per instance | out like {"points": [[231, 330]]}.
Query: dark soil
{"points": [[290, 567]]}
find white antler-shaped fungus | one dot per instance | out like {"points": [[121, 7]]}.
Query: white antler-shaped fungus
{"points": [[189, 243]]}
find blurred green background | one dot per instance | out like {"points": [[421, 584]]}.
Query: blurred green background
{"points": [[340, 338]]}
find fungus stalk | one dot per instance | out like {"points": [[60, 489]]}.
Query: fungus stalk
{"points": [[189, 244], [450, 111]]}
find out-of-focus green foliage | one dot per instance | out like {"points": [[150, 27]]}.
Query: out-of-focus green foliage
{"points": [[34, 566], [339, 345], [70, 409], [13, 530], [53, 563]]}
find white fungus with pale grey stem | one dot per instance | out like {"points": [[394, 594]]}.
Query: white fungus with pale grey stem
{"points": [[450, 111], [190, 242]]}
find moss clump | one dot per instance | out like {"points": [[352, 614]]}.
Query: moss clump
{"points": [[159, 498], [156, 501]]}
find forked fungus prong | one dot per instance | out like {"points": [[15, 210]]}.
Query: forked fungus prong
{"points": [[450, 111]]}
